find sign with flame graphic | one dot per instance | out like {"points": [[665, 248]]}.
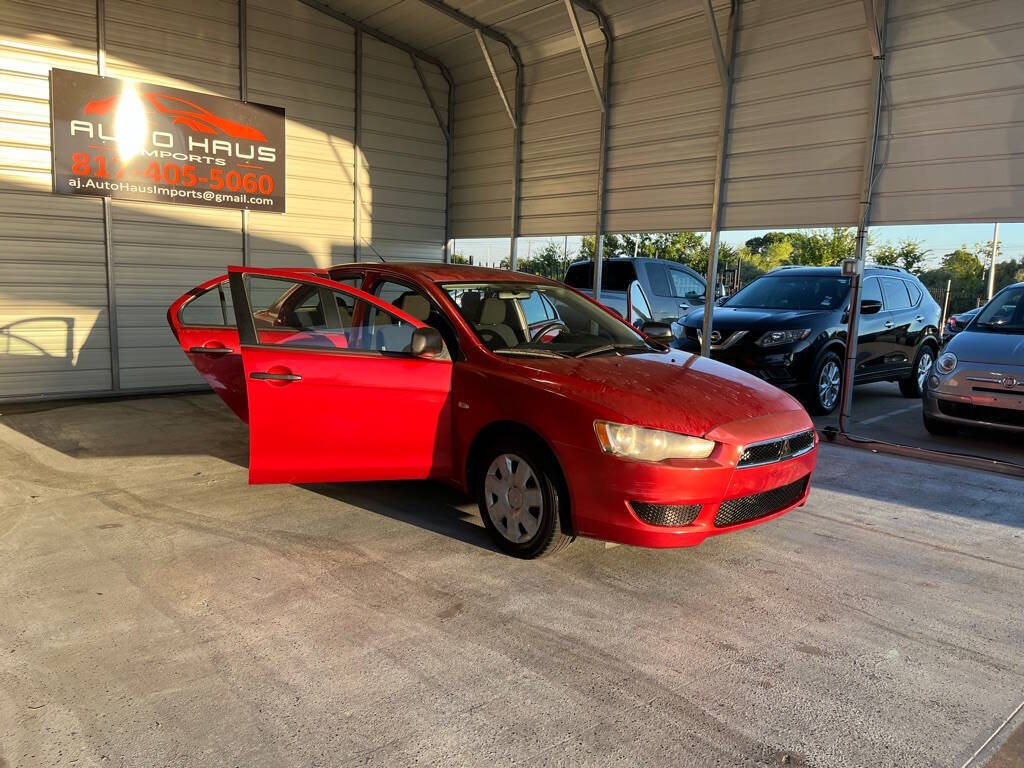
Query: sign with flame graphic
{"points": [[137, 141]]}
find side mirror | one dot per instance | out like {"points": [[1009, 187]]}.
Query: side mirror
{"points": [[870, 307], [657, 331], [427, 342]]}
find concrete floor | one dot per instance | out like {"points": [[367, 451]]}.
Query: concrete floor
{"points": [[157, 611]]}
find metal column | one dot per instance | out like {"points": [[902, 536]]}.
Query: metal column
{"points": [[876, 31], [445, 126], [108, 233], [725, 64], [243, 94], [357, 153]]}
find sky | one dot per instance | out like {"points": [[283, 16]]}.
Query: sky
{"points": [[938, 239]]}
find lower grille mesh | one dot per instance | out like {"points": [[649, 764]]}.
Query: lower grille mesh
{"points": [[747, 508], [666, 514]]}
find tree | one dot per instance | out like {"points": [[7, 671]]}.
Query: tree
{"points": [[551, 261], [963, 266], [823, 247], [907, 254], [458, 258]]}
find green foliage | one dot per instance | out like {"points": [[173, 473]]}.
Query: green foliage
{"points": [[823, 247], [458, 258], [906, 253], [963, 266], [551, 261]]}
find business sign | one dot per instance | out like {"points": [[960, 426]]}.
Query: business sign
{"points": [[137, 141]]}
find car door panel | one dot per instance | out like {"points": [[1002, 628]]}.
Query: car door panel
{"points": [[338, 412], [212, 349], [872, 346]]}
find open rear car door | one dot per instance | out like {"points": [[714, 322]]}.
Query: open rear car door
{"points": [[340, 385]]}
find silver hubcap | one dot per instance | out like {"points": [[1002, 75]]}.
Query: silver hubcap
{"points": [[828, 384], [923, 366], [514, 501]]}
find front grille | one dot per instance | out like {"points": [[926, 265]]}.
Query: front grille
{"points": [[1008, 416], [666, 514], [747, 508], [777, 450]]}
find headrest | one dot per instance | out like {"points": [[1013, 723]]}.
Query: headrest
{"points": [[493, 312], [415, 305]]}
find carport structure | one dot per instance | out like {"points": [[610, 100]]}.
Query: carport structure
{"points": [[415, 122]]}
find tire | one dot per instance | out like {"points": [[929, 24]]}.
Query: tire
{"points": [[824, 399], [938, 427], [521, 497], [913, 385]]}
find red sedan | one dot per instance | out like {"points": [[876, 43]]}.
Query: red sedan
{"points": [[556, 414]]}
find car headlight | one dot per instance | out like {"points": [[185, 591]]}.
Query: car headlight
{"points": [[649, 444], [775, 338], [946, 362], [677, 329]]}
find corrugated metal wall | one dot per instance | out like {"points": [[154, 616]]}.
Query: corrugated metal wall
{"points": [[956, 83], [53, 294], [54, 321]]}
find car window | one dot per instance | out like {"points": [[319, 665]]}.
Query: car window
{"points": [[657, 277], [915, 292], [871, 290], [685, 285], [615, 275], [641, 309], [319, 318], [413, 302], [795, 292], [895, 290], [212, 307], [1005, 313]]}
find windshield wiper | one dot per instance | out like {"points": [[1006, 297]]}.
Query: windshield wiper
{"points": [[528, 352], [614, 348]]}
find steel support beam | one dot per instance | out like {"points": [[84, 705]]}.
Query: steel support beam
{"points": [[604, 95], [716, 43], [243, 94], [357, 152], [108, 226], [494, 75], [588, 64], [723, 140], [868, 178], [365, 29], [874, 36]]}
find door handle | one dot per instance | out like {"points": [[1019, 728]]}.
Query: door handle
{"points": [[210, 350], [889, 323], [919, 319], [266, 376], [684, 306]]}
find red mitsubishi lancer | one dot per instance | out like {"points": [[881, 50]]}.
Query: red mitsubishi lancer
{"points": [[561, 418]]}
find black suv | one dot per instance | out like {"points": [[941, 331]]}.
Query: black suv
{"points": [[789, 328]]}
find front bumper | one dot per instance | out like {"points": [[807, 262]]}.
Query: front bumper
{"points": [[712, 494], [979, 396]]}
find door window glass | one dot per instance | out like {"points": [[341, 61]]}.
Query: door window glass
{"points": [[315, 317], [915, 292], [657, 275], [896, 296], [615, 275], [641, 310], [212, 307], [413, 302], [685, 285], [871, 290], [535, 309]]}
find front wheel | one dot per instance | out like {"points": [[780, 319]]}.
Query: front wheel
{"points": [[913, 385], [826, 384], [521, 498]]}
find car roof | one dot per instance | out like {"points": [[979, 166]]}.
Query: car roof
{"points": [[437, 272], [870, 269]]}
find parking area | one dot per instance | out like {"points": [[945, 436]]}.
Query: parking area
{"points": [[881, 413], [159, 611]]}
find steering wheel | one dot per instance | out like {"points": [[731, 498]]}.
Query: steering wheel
{"points": [[541, 332]]}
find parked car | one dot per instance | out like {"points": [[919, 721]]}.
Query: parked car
{"points": [[978, 379], [646, 289], [789, 327], [957, 323], [558, 416]]}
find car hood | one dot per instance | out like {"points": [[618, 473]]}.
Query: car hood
{"points": [[988, 348], [678, 392], [741, 318]]}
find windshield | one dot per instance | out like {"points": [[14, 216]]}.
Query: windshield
{"points": [[519, 319], [801, 292], [1005, 313]]}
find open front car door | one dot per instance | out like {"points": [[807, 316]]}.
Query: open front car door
{"points": [[341, 386]]}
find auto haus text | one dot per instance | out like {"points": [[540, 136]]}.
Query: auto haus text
{"points": [[165, 145]]}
